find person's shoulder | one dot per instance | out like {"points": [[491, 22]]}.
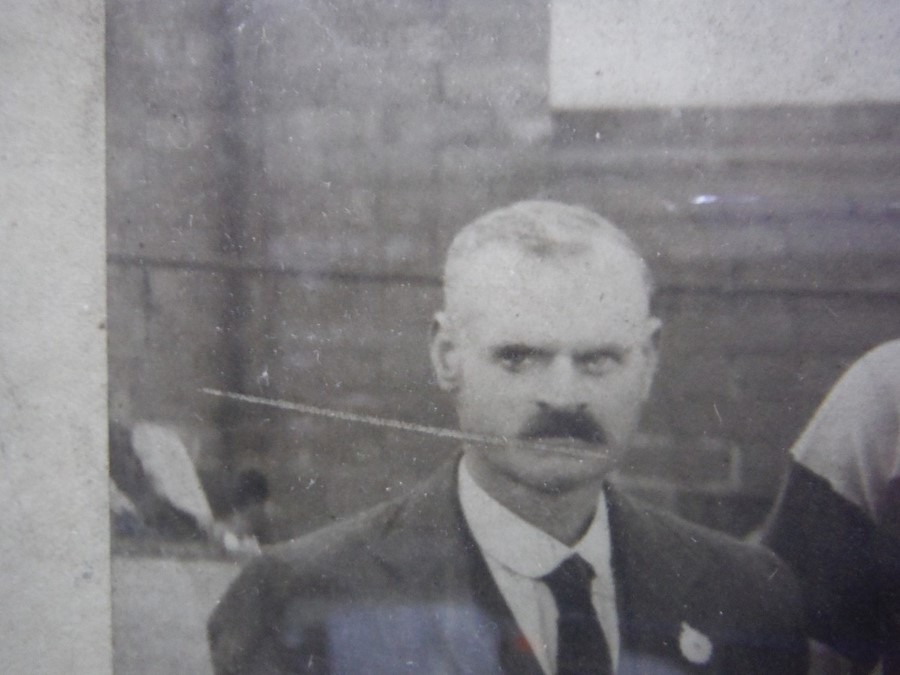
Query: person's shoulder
{"points": [[881, 365], [757, 580], [340, 537], [874, 378], [321, 566], [721, 548], [886, 352], [321, 555], [280, 600], [423, 505]]}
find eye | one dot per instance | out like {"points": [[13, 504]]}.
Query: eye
{"points": [[600, 362], [516, 358]]}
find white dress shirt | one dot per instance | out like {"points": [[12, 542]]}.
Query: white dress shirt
{"points": [[518, 554]]}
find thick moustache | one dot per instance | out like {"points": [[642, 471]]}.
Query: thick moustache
{"points": [[575, 425]]}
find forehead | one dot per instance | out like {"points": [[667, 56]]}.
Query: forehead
{"points": [[594, 295]]}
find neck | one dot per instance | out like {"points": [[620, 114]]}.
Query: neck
{"points": [[565, 513]]}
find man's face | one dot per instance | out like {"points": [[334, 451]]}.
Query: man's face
{"points": [[559, 350]]}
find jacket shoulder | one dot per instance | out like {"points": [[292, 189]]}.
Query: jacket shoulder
{"points": [[733, 566], [311, 569], [320, 547], [741, 585]]}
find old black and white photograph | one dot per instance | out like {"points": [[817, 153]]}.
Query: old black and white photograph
{"points": [[490, 336]]}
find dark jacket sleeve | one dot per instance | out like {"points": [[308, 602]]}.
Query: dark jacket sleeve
{"points": [[849, 569]]}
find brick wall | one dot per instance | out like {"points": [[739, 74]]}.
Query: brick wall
{"points": [[284, 178]]}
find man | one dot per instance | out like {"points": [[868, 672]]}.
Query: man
{"points": [[837, 521], [519, 558]]}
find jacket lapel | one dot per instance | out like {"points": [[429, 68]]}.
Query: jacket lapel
{"points": [[655, 567], [428, 545]]}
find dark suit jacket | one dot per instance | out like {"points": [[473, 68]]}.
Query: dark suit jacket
{"points": [[403, 588]]}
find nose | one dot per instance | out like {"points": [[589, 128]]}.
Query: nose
{"points": [[562, 388]]}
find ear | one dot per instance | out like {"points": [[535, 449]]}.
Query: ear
{"points": [[444, 353], [651, 352], [654, 330]]}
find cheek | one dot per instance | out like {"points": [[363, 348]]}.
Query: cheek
{"points": [[622, 389], [618, 402], [491, 401], [482, 390]]}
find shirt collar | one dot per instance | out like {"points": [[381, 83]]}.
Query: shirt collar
{"points": [[520, 546]]}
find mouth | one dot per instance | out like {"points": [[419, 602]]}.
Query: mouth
{"points": [[578, 448]]}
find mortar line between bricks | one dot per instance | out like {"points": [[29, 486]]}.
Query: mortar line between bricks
{"points": [[347, 276], [213, 266], [782, 292]]}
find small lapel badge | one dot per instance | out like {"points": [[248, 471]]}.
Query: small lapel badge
{"points": [[694, 645]]}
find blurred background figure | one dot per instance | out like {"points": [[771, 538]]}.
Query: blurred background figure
{"points": [[252, 510], [156, 484], [836, 522], [156, 492]]}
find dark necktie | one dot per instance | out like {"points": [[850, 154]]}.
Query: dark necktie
{"points": [[581, 647]]}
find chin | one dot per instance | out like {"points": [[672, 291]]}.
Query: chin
{"points": [[553, 474]]}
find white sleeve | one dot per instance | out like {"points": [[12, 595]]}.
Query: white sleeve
{"points": [[853, 440], [168, 465]]}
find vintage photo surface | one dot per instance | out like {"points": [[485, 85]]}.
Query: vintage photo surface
{"points": [[283, 182], [54, 584]]}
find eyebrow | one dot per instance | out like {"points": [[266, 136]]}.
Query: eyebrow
{"points": [[617, 351], [517, 349]]}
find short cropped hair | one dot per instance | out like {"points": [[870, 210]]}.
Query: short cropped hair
{"points": [[544, 229]]}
